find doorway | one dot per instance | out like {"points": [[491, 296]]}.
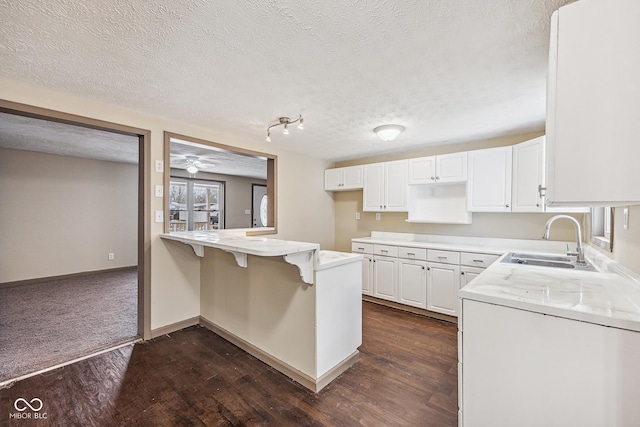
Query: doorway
{"points": [[140, 139], [259, 206]]}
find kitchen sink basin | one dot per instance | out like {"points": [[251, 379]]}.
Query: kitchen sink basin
{"points": [[546, 261]]}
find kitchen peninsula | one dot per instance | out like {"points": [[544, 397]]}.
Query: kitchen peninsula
{"points": [[290, 304]]}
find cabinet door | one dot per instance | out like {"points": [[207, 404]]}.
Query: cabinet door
{"points": [[489, 184], [593, 104], [412, 283], [528, 176], [396, 187], [451, 167], [367, 275], [352, 178], [443, 283], [422, 170], [385, 273], [467, 274], [333, 179], [372, 193]]}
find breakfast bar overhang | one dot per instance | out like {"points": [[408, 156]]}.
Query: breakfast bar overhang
{"points": [[290, 304]]}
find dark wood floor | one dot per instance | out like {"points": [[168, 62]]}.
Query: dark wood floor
{"points": [[406, 376]]}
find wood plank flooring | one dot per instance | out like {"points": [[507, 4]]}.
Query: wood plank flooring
{"points": [[406, 376]]}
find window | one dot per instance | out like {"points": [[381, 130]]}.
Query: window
{"points": [[602, 227], [196, 205]]}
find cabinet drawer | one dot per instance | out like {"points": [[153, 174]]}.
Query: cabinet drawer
{"points": [[477, 260], [446, 257], [385, 250], [412, 253], [362, 248]]}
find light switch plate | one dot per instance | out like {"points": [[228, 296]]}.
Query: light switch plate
{"points": [[377, 216], [159, 216], [159, 166], [159, 190], [247, 211], [357, 215]]}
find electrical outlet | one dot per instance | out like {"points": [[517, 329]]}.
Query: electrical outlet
{"points": [[159, 216], [377, 216], [159, 191], [357, 215], [159, 166], [112, 256]]}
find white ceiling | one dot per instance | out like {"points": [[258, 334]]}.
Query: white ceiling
{"points": [[448, 70]]}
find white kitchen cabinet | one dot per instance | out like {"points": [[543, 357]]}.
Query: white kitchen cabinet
{"points": [[343, 179], [366, 249], [529, 181], [443, 283], [593, 104], [385, 187], [528, 176], [489, 180], [385, 277], [412, 283], [467, 274], [521, 368], [445, 168]]}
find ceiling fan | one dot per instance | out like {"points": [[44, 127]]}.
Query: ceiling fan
{"points": [[191, 163]]}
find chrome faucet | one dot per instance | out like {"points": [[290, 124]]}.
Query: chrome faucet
{"points": [[579, 253]]}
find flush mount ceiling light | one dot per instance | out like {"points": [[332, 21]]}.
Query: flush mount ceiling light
{"points": [[388, 132], [285, 121], [192, 169]]}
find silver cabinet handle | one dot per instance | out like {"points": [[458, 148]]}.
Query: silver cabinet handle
{"points": [[477, 260]]}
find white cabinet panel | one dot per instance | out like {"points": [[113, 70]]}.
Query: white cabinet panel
{"points": [[489, 184], [385, 187], [413, 283], [593, 104], [438, 169], [342, 179], [367, 275], [474, 259], [362, 248], [467, 274], [528, 176], [385, 277], [443, 283]]}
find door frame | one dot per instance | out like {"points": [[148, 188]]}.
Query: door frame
{"points": [[144, 186]]}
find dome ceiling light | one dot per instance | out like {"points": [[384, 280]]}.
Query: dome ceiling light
{"points": [[388, 132]]}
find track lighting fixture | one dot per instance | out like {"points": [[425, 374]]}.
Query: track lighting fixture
{"points": [[285, 121]]}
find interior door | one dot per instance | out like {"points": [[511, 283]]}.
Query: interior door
{"points": [[259, 205]]}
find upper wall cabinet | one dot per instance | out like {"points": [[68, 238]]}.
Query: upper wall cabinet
{"points": [[385, 187], [593, 104], [342, 179], [489, 184], [528, 176], [438, 169]]}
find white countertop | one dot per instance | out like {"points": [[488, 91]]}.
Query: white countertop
{"points": [[331, 259], [610, 297], [484, 245], [237, 241]]}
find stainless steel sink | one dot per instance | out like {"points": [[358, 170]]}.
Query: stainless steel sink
{"points": [[546, 261]]}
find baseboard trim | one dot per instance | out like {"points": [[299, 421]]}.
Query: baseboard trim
{"points": [[168, 329], [277, 364], [414, 310], [63, 277]]}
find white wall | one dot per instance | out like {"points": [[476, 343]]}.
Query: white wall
{"points": [[305, 210], [63, 215]]}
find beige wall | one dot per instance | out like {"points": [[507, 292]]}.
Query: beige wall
{"points": [[305, 210], [237, 195], [626, 243], [505, 225], [63, 215]]}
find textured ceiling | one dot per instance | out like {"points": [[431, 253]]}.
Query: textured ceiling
{"points": [[448, 70]]}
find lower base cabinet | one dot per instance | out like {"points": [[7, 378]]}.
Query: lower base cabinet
{"points": [[412, 283], [385, 277], [443, 283]]}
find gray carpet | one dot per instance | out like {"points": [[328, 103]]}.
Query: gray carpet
{"points": [[44, 324]]}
